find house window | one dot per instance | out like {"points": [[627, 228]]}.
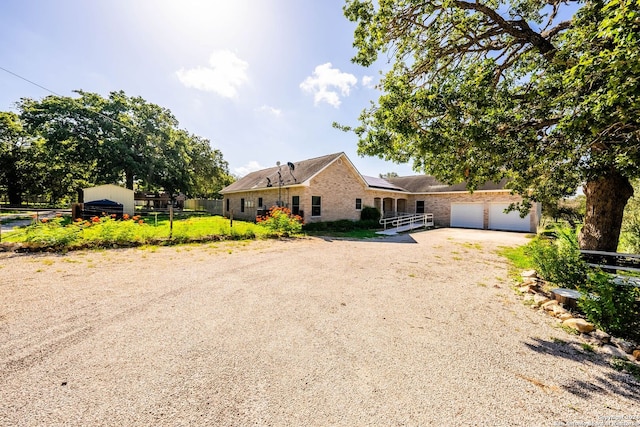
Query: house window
{"points": [[358, 204], [295, 205], [259, 202], [316, 203], [241, 205], [227, 205], [420, 206]]}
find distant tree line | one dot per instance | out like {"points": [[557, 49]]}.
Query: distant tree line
{"points": [[53, 147]]}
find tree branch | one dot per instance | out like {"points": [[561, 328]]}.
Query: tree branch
{"points": [[519, 29]]}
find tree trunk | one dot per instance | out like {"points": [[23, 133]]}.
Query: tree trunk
{"points": [[14, 189], [15, 195], [606, 199], [129, 180]]}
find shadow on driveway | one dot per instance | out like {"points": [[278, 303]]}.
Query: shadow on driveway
{"points": [[612, 381]]}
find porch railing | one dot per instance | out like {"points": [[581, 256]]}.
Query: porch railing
{"points": [[408, 219]]}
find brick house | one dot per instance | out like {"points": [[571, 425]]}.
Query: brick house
{"points": [[330, 188]]}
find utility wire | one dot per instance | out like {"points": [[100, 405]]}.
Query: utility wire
{"points": [[76, 102], [28, 81]]}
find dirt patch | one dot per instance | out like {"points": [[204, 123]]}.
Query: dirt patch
{"points": [[420, 329]]}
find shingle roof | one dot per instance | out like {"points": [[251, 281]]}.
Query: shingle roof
{"points": [[303, 171], [428, 184], [307, 169]]}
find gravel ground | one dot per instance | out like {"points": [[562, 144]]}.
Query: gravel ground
{"points": [[421, 329]]}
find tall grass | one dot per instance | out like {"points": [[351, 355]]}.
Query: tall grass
{"points": [[62, 234]]}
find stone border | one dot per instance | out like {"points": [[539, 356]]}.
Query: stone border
{"points": [[537, 298]]}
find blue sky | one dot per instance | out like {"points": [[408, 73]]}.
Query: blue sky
{"points": [[262, 80]]}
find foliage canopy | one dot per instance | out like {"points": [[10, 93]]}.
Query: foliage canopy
{"points": [[88, 140], [545, 94]]}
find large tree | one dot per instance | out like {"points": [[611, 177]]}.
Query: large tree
{"points": [[542, 93], [13, 147], [95, 140]]}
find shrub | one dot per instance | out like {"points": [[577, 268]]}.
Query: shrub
{"points": [[610, 306], [370, 213], [342, 225], [281, 222], [558, 260], [51, 233], [316, 226], [630, 236]]}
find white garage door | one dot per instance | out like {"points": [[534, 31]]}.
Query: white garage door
{"points": [[467, 215], [498, 220]]}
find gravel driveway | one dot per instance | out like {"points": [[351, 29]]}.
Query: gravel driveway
{"points": [[421, 329]]}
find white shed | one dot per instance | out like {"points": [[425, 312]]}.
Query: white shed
{"points": [[115, 193]]}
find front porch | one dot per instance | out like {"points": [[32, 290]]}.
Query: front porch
{"points": [[390, 207]]}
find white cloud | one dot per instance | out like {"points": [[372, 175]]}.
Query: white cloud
{"points": [[328, 84], [224, 75], [252, 166], [271, 110], [367, 81]]}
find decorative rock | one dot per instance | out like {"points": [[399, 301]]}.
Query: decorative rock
{"points": [[549, 305], [613, 351], [601, 336], [527, 289], [626, 346], [636, 355], [565, 316], [529, 273], [539, 299], [588, 338], [558, 310], [579, 324]]}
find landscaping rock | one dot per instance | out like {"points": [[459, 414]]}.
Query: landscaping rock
{"points": [[558, 310], [613, 351], [9, 247], [601, 336], [539, 299], [529, 274], [527, 289], [565, 316], [579, 324], [549, 305], [626, 346]]}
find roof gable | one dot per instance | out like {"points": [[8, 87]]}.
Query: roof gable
{"points": [[302, 172]]}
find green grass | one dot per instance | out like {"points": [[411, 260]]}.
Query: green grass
{"points": [[567, 329], [519, 256], [620, 364], [587, 347], [60, 234]]}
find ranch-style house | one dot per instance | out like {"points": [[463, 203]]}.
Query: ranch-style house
{"points": [[330, 188]]}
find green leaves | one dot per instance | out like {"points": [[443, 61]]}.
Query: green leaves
{"points": [[91, 140], [481, 91]]}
